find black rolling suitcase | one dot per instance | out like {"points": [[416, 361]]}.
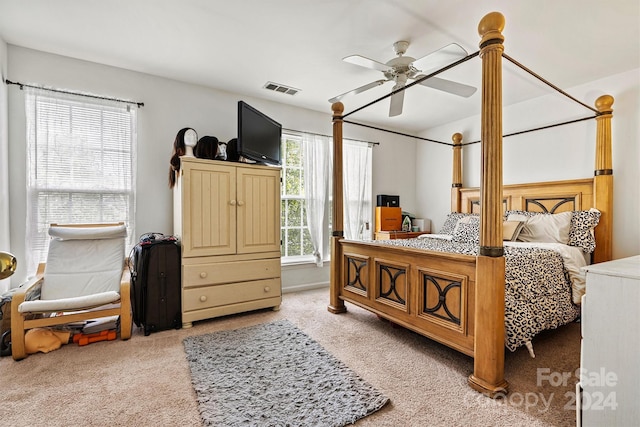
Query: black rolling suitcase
{"points": [[155, 283]]}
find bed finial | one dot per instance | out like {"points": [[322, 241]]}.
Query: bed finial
{"points": [[604, 103], [490, 27], [337, 108]]}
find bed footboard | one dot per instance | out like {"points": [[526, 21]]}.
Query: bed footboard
{"points": [[431, 293]]}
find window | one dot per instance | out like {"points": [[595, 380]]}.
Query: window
{"points": [[294, 232], [306, 195], [81, 158]]}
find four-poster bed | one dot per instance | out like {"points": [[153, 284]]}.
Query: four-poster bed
{"points": [[458, 299]]}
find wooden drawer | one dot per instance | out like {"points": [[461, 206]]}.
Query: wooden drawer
{"points": [[229, 272], [219, 295]]}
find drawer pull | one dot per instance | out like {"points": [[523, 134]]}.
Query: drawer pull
{"points": [[267, 288], [232, 202], [203, 274], [240, 203], [203, 298]]}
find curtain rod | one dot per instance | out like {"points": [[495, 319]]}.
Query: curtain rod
{"points": [[23, 85], [329, 136]]}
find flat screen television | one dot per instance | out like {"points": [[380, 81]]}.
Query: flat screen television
{"points": [[258, 135]]}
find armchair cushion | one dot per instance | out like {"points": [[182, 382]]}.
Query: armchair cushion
{"points": [[83, 261], [69, 304]]}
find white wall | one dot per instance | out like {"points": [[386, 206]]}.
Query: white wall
{"points": [[566, 152], [4, 160], [169, 106]]}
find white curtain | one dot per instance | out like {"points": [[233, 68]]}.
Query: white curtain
{"points": [[317, 165], [81, 157], [357, 170]]}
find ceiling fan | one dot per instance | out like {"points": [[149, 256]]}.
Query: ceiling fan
{"points": [[402, 68]]}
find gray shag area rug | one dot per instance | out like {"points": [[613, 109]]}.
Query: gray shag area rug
{"points": [[273, 374]]}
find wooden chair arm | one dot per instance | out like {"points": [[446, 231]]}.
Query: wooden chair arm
{"points": [[125, 302], [126, 277]]}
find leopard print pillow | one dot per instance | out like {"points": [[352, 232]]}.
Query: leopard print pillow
{"points": [[450, 223], [467, 232], [581, 231]]}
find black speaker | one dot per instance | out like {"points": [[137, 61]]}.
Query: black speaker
{"points": [[388, 201]]}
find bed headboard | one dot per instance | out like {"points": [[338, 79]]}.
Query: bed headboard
{"points": [[547, 197]]}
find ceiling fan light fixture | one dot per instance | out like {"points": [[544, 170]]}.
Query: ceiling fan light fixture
{"points": [[277, 87]]}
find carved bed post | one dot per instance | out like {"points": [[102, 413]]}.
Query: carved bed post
{"points": [[456, 182], [488, 364], [336, 304], [603, 181]]}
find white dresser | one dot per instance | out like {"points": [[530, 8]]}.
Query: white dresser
{"points": [[610, 355]]}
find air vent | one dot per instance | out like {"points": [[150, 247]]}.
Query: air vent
{"points": [[281, 88]]}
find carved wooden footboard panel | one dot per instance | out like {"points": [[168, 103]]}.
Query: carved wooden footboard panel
{"points": [[431, 293]]}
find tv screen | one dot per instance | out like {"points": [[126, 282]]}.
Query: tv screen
{"points": [[258, 135]]}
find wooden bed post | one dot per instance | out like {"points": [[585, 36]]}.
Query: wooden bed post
{"points": [[603, 180], [488, 364], [456, 182], [336, 304]]}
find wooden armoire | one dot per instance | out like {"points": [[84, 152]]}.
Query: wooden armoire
{"points": [[227, 218]]}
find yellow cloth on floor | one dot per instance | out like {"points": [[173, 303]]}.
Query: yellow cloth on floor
{"points": [[44, 340]]}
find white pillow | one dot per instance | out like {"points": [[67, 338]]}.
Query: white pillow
{"points": [[551, 228]]}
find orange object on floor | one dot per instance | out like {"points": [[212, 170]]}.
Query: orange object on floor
{"points": [[84, 339]]}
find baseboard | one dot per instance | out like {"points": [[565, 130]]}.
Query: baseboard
{"points": [[305, 287]]}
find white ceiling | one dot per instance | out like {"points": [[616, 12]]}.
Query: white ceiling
{"points": [[239, 45]]}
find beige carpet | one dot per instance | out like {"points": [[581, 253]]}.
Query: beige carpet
{"points": [[146, 382]]}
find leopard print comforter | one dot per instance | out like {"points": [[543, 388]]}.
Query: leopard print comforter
{"points": [[537, 287]]}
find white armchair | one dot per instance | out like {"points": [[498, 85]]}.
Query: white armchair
{"points": [[84, 278]]}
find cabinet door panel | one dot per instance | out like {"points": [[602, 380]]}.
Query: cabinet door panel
{"points": [[258, 210], [209, 210]]}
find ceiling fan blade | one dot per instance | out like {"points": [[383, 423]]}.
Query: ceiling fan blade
{"points": [[455, 88], [366, 62], [397, 99], [440, 58], [358, 90]]}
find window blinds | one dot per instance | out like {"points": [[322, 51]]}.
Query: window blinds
{"points": [[80, 164]]}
